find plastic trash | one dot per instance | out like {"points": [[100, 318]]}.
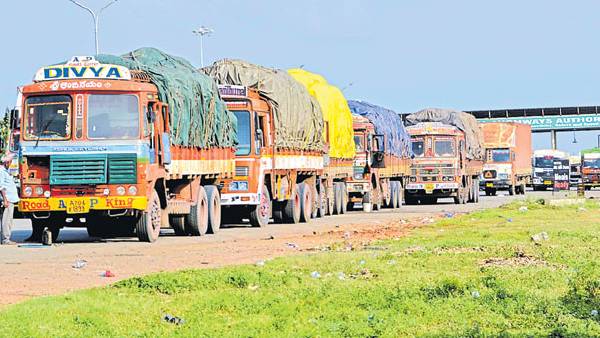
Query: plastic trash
{"points": [[392, 262], [542, 236], [341, 276], [315, 274], [260, 263], [475, 294], [523, 209], [509, 220], [173, 319], [79, 264], [107, 273], [346, 235], [292, 245], [594, 313], [362, 262]]}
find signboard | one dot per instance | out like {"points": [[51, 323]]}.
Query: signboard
{"points": [[232, 91], [82, 67], [542, 123], [561, 174]]}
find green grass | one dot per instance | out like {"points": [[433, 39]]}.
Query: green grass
{"points": [[433, 283]]}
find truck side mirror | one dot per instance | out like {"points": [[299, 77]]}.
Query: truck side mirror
{"points": [[258, 142], [151, 116], [14, 119]]}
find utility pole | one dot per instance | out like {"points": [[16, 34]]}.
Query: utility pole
{"points": [[202, 31], [96, 17]]}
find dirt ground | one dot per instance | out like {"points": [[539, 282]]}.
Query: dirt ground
{"points": [[31, 271]]}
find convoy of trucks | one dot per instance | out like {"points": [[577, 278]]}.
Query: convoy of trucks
{"points": [[508, 157], [543, 167], [131, 144], [448, 157]]}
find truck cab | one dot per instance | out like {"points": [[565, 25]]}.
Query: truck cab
{"points": [[439, 166], [253, 156], [590, 169], [543, 167], [370, 155], [92, 146], [497, 170]]}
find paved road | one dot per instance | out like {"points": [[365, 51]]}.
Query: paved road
{"points": [[32, 271]]}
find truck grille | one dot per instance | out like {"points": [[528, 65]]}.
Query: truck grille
{"points": [[93, 169], [122, 168], [242, 171], [77, 169]]}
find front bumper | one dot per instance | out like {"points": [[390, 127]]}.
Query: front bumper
{"points": [[359, 187], [495, 184], [240, 199], [438, 188], [82, 205], [543, 182]]}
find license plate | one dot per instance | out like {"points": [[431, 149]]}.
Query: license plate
{"points": [[429, 188], [547, 182], [489, 185], [77, 206]]}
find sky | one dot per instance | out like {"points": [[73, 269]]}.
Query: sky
{"points": [[402, 54]]}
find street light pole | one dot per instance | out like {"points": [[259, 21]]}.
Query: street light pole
{"points": [[202, 31], [96, 17]]}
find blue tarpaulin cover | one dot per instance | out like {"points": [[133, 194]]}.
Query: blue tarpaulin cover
{"points": [[388, 123]]}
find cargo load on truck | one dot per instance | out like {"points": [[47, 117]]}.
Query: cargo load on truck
{"points": [[387, 122], [463, 121], [197, 114], [298, 118], [335, 112]]}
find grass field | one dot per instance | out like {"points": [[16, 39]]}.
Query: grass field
{"points": [[466, 276]]}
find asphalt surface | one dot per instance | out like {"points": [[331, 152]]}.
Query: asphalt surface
{"points": [[34, 270]]}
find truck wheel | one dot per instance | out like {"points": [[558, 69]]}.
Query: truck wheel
{"points": [[410, 200], [306, 202], [37, 230], [522, 189], [214, 208], [260, 214], [511, 190], [337, 198], [177, 223], [344, 189], [196, 222], [148, 225], [291, 209], [278, 212], [399, 195], [395, 194]]}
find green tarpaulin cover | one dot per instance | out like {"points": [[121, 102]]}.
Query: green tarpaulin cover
{"points": [[198, 116]]}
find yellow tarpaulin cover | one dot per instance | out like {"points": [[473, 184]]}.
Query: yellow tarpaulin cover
{"points": [[335, 112]]}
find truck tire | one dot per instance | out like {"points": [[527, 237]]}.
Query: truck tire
{"points": [[337, 198], [511, 190], [306, 202], [522, 189], [260, 214], [177, 223], [395, 194], [291, 209], [148, 225], [196, 222], [213, 198], [278, 216], [344, 189]]}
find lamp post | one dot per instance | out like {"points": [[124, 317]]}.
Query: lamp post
{"points": [[96, 17], [202, 31]]}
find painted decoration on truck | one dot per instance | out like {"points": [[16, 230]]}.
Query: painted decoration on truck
{"points": [[82, 67], [544, 123]]}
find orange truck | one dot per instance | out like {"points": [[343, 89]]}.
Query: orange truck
{"points": [[279, 161], [448, 156], [383, 156], [102, 147], [508, 157]]}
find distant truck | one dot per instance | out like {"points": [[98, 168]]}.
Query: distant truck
{"points": [[383, 156], [109, 144], [590, 168], [543, 167], [575, 172], [280, 156], [508, 157], [448, 156]]}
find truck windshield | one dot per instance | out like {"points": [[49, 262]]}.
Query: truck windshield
{"points": [[243, 132], [500, 155], [592, 163], [444, 148], [544, 162], [358, 143], [418, 148], [48, 117], [113, 117]]}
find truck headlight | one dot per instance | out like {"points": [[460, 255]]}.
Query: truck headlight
{"points": [[39, 191], [121, 190], [132, 190], [238, 186], [503, 176], [27, 191]]}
